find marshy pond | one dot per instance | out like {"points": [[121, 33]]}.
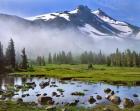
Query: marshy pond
{"points": [[64, 92]]}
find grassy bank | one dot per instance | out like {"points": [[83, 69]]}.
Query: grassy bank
{"points": [[81, 72], [13, 106]]}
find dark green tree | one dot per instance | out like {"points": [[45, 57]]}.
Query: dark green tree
{"points": [[10, 55], [24, 62], [50, 58]]}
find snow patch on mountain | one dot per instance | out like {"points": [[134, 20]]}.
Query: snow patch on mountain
{"points": [[119, 25], [49, 16]]}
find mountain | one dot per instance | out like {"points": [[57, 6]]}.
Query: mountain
{"points": [[89, 22], [78, 30]]}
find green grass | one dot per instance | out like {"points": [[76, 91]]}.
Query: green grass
{"points": [[81, 72], [13, 106]]}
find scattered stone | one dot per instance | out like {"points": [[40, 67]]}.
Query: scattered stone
{"points": [[43, 84], [1, 92], [57, 95], [108, 90], [74, 103], [24, 95], [30, 85], [19, 100], [53, 85], [128, 103], [60, 90], [91, 100], [115, 99], [38, 94], [53, 82], [98, 97], [78, 94], [54, 94], [19, 86], [112, 93], [44, 99], [135, 95], [44, 94]]}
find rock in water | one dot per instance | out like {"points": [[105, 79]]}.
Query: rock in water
{"points": [[108, 90], [128, 103], [44, 99], [115, 99], [98, 97], [91, 100]]}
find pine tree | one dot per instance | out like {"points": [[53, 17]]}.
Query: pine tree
{"points": [[128, 58], [50, 58], [38, 61], [55, 59], [69, 58], [24, 59], [10, 55], [134, 59], [43, 61]]}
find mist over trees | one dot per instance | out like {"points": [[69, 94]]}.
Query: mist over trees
{"points": [[9, 61]]}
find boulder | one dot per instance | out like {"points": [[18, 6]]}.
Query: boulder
{"points": [[115, 99], [44, 99], [128, 103]]}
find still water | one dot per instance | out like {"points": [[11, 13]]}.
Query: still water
{"points": [[68, 86]]}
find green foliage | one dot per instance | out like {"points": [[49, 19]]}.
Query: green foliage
{"points": [[119, 75]]}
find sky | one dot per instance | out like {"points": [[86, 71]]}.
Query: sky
{"points": [[124, 10]]}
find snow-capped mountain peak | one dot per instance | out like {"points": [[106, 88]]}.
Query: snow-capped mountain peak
{"points": [[82, 15]]}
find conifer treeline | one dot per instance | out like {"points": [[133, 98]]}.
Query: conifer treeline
{"points": [[8, 59], [127, 58]]}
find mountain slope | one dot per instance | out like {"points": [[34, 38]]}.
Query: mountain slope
{"points": [[93, 23]]}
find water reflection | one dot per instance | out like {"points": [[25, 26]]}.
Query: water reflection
{"points": [[89, 89]]}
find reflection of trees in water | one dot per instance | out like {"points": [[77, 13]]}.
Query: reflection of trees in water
{"points": [[6, 81], [0, 82]]}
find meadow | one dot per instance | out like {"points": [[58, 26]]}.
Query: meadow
{"points": [[99, 73]]}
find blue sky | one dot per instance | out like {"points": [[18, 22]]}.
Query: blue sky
{"points": [[125, 10]]}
